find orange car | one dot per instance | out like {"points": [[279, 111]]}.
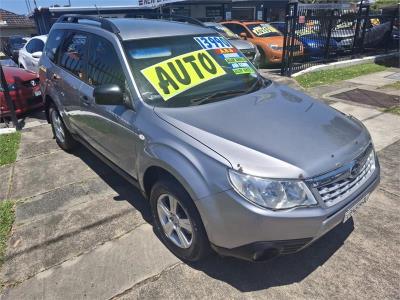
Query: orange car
{"points": [[268, 40]]}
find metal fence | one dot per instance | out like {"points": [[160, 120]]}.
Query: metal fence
{"points": [[322, 33]]}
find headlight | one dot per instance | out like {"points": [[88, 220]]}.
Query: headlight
{"points": [[272, 194], [275, 47]]}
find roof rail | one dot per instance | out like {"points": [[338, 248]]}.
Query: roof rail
{"points": [[104, 22], [170, 17]]}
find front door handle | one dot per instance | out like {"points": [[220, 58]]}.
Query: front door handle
{"points": [[86, 101], [56, 77]]}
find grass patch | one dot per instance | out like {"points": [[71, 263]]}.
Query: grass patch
{"points": [[6, 221], [333, 75], [9, 144], [393, 110], [394, 86]]}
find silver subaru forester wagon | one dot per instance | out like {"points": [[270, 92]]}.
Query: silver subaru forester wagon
{"points": [[229, 160]]}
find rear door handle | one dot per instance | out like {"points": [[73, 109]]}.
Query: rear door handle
{"points": [[86, 101], [56, 77]]}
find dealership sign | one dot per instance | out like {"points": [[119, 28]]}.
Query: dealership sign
{"points": [[152, 3]]}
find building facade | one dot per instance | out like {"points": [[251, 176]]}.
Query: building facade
{"points": [[267, 10], [13, 24]]}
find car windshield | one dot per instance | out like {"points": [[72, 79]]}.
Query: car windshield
{"points": [[264, 30], [17, 41], [190, 70], [225, 31]]}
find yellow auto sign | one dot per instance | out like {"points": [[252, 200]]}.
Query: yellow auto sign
{"points": [[260, 30], [178, 74]]}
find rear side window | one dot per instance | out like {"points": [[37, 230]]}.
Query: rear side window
{"points": [[104, 66], [35, 45], [53, 44], [73, 52]]}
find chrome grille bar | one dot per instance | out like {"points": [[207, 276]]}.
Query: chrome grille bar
{"points": [[336, 192]]}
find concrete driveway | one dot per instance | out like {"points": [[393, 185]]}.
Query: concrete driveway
{"points": [[81, 232]]}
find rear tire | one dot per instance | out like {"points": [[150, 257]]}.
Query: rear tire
{"points": [[182, 223], [63, 137]]}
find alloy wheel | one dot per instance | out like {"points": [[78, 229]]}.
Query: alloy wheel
{"points": [[57, 125], [175, 221]]}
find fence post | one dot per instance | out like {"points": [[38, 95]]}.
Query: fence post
{"points": [[328, 37], [364, 28], [10, 103], [285, 36], [357, 31], [292, 36]]}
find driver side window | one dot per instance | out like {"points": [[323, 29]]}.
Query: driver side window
{"points": [[104, 66]]}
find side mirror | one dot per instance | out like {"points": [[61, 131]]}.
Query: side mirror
{"points": [[243, 35], [108, 94], [37, 54]]}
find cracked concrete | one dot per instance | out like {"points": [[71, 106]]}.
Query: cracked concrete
{"points": [[81, 231]]}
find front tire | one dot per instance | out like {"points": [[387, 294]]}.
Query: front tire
{"points": [[63, 137], [177, 222]]}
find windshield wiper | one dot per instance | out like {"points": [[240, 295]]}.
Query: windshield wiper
{"points": [[219, 94]]}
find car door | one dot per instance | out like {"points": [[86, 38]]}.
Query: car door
{"points": [[23, 55], [108, 128], [72, 58]]}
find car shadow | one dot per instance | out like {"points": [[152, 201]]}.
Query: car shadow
{"points": [[283, 270], [124, 189], [242, 275]]}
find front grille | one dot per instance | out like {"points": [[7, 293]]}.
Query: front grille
{"points": [[292, 246], [336, 192], [31, 83]]}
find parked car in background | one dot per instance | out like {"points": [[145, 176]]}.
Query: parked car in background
{"points": [[30, 54], [24, 90], [228, 159], [265, 37], [13, 45], [6, 61], [247, 48], [314, 44]]}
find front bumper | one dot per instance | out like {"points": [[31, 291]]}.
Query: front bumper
{"points": [[237, 228]]}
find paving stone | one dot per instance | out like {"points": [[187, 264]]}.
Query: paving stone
{"points": [[357, 260], [389, 159], [384, 129], [36, 141], [47, 172], [357, 111], [49, 241], [63, 198], [375, 79], [107, 271], [5, 173]]}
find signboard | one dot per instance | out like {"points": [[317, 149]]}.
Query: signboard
{"points": [[154, 3]]}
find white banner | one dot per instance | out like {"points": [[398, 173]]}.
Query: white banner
{"points": [[154, 3]]}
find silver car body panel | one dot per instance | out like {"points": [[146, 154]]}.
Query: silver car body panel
{"points": [[276, 132]]}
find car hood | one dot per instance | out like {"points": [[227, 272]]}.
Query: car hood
{"points": [[14, 74], [241, 44], [275, 132]]}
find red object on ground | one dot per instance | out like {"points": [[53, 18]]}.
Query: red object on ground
{"points": [[24, 91]]}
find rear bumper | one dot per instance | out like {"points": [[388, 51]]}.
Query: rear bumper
{"points": [[238, 228]]}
